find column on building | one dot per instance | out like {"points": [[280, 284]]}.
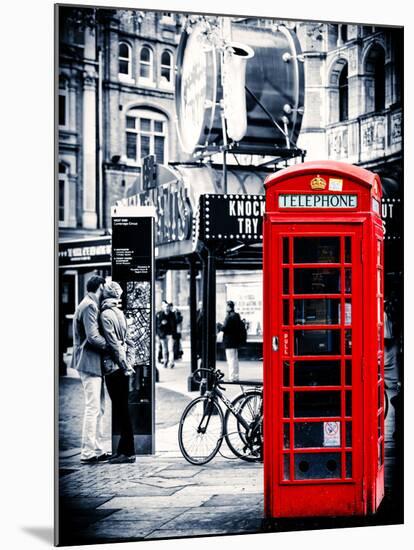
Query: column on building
{"points": [[89, 214]]}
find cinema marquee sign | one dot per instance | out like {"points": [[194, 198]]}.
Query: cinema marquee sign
{"points": [[231, 217], [305, 200]]}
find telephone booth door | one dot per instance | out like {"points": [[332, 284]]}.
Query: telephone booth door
{"points": [[316, 323]]}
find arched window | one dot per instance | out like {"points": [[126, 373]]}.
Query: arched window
{"points": [[124, 56], [343, 94], [166, 68], [379, 79], [374, 72], [146, 134], [146, 71]]}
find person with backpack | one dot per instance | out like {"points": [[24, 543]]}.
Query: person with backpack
{"points": [[234, 336]]}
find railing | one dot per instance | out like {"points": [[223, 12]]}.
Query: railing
{"points": [[366, 138]]}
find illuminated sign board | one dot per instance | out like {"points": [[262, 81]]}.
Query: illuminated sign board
{"points": [[234, 217]]}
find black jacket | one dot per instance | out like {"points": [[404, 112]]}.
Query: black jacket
{"points": [[166, 324], [231, 330]]}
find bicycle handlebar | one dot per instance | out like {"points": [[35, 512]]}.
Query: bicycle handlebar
{"points": [[216, 374]]}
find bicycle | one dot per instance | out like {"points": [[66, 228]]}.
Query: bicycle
{"points": [[203, 426]]}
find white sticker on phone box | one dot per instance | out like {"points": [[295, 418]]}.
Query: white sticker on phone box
{"points": [[331, 434], [335, 184]]}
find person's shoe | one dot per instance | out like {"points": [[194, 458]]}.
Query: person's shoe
{"points": [[122, 459], [105, 457], [172, 366], [92, 460]]}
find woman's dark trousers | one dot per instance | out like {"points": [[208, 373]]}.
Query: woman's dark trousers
{"points": [[118, 389]]}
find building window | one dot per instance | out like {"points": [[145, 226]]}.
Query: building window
{"points": [[124, 56], [344, 33], [166, 68], [379, 79], [146, 134], [62, 194], [63, 105], [343, 94], [146, 64], [374, 73]]}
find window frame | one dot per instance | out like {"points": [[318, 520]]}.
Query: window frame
{"points": [[139, 113], [64, 94], [127, 77], [167, 83], [343, 92], [64, 178], [147, 81]]}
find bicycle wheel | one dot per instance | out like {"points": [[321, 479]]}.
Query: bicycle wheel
{"points": [[200, 433], [245, 443]]}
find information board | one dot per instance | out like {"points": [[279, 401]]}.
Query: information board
{"points": [[133, 269]]}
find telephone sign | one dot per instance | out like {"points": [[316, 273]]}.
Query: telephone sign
{"points": [[324, 382]]}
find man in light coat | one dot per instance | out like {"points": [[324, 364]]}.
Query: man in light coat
{"points": [[88, 347]]}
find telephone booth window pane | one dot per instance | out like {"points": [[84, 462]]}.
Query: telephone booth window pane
{"points": [[348, 403], [317, 373], [285, 281], [317, 404], [348, 465], [310, 250], [348, 434], [348, 372], [286, 405], [348, 250], [317, 342], [317, 465], [348, 281], [348, 342], [317, 312], [286, 373], [285, 250], [312, 434], [380, 454], [286, 436], [286, 467], [348, 312], [285, 312], [317, 281]]}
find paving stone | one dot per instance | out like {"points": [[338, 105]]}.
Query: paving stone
{"points": [[217, 490], [72, 503], [107, 530], [226, 518], [181, 501], [159, 515], [180, 533], [252, 499], [176, 473]]}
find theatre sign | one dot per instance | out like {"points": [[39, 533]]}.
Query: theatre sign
{"points": [[231, 217]]}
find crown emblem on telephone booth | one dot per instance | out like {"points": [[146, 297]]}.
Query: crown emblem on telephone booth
{"points": [[318, 183]]}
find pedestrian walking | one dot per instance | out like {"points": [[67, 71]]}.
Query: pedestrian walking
{"points": [[178, 350], [88, 347], [166, 328], [234, 336], [117, 370]]}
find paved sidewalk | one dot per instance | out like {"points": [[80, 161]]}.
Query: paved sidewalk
{"points": [[163, 496]]}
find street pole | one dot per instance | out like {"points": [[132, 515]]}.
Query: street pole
{"points": [[191, 385]]}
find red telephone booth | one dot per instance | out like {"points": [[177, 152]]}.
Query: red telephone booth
{"points": [[323, 341]]}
